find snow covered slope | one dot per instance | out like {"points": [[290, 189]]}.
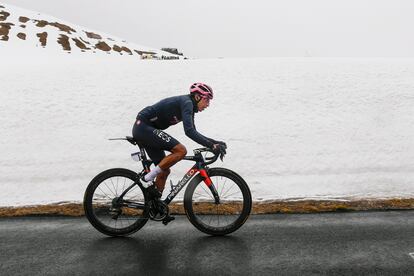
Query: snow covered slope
{"points": [[296, 128], [24, 32]]}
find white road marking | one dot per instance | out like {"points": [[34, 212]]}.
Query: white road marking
{"points": [[411, 255]]}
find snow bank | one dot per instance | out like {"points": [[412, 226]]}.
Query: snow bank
{"points": [[296, 128]]}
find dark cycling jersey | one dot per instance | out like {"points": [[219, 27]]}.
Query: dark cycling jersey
{"points": [[171, 111]]}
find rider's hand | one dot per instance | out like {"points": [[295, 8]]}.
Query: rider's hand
{"points": [[218, 142], [220, 149], [222, 143]]}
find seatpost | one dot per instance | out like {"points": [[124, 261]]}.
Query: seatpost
{"points": [[145, 162]]}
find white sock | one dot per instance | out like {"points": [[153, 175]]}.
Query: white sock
{"points": [[152, 174]]}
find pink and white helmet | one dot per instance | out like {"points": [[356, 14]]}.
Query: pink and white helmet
{"points": [[203, 89]]}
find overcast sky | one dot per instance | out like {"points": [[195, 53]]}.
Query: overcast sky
{"points": [[248, 28]]}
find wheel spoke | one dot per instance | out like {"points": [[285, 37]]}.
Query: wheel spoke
{"points": [[228, 190], [211, 217], [102, 196], [109, 188], [116, 194], [218, 216], [236, 192], [202, 187], [123, 186], [104, 193], [198, 194], [224, 184], [133, 188]]}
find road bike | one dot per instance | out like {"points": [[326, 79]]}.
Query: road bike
{"points": [[217, 201]]}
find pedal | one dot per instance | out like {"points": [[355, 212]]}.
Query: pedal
{"points": [[167, 220]]}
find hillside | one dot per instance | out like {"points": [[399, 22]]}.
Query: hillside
{"points": [[23, 30]]}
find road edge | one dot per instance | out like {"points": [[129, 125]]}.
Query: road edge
{"points": [[265, 207]]}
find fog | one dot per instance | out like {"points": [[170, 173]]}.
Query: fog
{"points": [[262, 28]]}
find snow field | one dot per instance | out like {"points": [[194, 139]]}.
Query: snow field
{"points": [[296, 127]]}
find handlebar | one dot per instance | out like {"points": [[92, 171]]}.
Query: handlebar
{"points": [[210, 160]]}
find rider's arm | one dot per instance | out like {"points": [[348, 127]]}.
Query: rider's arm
{"points": [[189, 128]]}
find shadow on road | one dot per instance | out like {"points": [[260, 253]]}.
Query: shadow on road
{"points": [[164, 254], [217, 254]]}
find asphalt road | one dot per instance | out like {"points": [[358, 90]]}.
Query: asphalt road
{"points": [[363, 243]]}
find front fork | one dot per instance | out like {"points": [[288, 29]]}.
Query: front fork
{"points": [[209, 183]]}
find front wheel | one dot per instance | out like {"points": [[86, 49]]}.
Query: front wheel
{"points": [[226, 216]]}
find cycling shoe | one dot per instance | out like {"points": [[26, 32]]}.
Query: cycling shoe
{"points": [[153, 192], [168, 219]]}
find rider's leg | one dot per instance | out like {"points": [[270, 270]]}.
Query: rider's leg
{"points": [[177, 154], [161, 179]]}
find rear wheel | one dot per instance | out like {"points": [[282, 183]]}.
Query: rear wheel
{"points": [[229, 214], [108, 215]]}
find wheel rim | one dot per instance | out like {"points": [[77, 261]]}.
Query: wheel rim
{"points": [[222, 215], [103, 208]]}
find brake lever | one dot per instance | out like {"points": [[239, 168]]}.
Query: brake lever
{"points": [[222, 156]]}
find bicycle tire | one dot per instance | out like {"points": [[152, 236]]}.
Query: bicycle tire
{"points": [[92, 214], [206, 207]]}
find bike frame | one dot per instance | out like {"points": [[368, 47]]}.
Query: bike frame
{"points": [[199, 167]]}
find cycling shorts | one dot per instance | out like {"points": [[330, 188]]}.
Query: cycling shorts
{"points": [[155, 141]]}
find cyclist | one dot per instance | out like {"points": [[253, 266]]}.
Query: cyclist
{"points": [[152, 120]]}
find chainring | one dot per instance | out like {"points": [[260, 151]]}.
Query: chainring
{"points": [[158, 210]]}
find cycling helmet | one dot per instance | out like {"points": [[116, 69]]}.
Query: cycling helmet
{"points": [[202, 89]]}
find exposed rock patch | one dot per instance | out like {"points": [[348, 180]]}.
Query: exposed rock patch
{"points": [[64, 41], [61, 27], [93, 35], [103, 46], [80, 44], [86, 42], [23, 26], [1, 7], [42, 38], [4, 15], [119, 49], [23, 19], [41, 23], [126, 49], [22, 36], [116, 48], [4, 31]]}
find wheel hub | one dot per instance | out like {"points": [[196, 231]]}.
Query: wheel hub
{"points": [[116, 203]]}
